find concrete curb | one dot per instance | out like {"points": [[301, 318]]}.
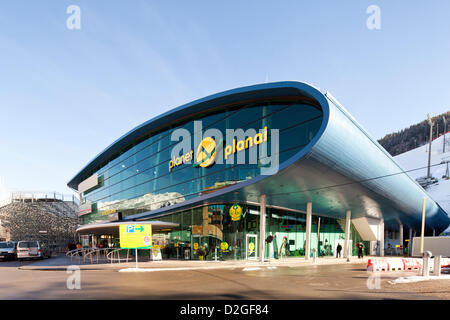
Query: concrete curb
{"points": [[194, 265]]}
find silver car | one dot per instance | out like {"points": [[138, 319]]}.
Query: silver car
{"points": [[8, 250], [32, 250]]}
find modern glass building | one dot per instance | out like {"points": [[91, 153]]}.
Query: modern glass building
{"points": [[227, 171]]}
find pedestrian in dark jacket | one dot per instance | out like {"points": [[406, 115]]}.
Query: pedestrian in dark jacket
{"points": [[72, 246], [338, 250], [360, 247]]}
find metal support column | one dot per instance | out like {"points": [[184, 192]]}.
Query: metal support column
{"points": [[262, 228], [410, 242], [381, 237], [308, 230], [347, 234]]}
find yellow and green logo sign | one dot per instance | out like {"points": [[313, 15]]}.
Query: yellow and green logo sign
{"points": [[235, 212], [224, 246], [206, 152]]}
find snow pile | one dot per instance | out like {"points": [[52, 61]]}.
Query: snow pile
{"points": [[419, 278], [418, 158]]}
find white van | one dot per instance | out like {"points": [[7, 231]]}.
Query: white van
{"points": [[32, 250]]}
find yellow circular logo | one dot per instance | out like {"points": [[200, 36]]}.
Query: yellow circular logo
{"points": [[224, 246], [235, 212], [195, 246], [251, 247], [206, 152]]}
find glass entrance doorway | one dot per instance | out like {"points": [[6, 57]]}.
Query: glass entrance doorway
{"points": [[251, 247], [204, 247]]}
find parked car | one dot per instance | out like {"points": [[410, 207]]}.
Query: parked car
{"points": [[32, 250], [8, 250]]}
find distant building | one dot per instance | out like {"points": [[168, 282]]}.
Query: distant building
{"points": [[48, 217]]}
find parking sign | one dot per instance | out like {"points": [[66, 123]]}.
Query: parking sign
{"points": [[135, 236]]}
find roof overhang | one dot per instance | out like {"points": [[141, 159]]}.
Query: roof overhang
{"points": [[113, 227]]}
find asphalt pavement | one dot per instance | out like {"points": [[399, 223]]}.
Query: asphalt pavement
{"points": [[286, 280]]}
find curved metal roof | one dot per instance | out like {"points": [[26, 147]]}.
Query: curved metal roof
{"points": [[342, 168]]}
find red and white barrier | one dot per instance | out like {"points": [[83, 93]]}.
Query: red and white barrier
{"points": [[412, 263], [397, 264], [377, 265]]}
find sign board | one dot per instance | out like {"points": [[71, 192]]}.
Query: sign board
{"points": [[197, 230], [108, 212], [89, 183], [156, 253], [224, 246], [135, 236], [235, 212], [85, 208]]}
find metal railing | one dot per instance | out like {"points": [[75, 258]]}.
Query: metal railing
{"points": [[34, 196], [102, 255], [98, 255], [81, 253], [115, 256]]}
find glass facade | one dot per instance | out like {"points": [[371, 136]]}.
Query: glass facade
{"points": [[211, 230], [140, 180]]}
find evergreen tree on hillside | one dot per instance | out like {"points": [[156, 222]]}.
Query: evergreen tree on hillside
{"points": [[414, 136]]}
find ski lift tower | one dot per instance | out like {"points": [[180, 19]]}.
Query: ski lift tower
{"points": [[429, 149], [445, 131]]}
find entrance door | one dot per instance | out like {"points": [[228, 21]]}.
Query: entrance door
{"points": [[251, 247]]}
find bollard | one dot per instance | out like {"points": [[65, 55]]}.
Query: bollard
{"points": [[314, 255], [425, 265], [437, 266]]}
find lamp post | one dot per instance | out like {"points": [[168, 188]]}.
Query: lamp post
{"points": [[423, 227]]}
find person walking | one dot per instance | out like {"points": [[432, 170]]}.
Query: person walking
{"points": [[360, 250], [78, 246], [338, 250], [72, 246], [284, 252]]}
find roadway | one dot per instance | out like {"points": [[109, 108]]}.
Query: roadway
{"points": [[340, 281]]}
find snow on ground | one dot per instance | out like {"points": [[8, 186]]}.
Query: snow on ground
{"points": [[418, 158], [419, 278]]}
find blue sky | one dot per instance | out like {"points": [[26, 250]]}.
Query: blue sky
{"points": [[65, 94]]}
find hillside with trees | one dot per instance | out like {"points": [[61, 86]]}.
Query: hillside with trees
{"points": [[414, 136]]}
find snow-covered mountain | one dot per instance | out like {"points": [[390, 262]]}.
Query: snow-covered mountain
{"points": [[418, 158]]}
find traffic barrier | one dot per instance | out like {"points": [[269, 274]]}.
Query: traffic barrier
{"points": [[395, 264], [392, 264], [412, 264], [445, 262], [377, 265]]}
